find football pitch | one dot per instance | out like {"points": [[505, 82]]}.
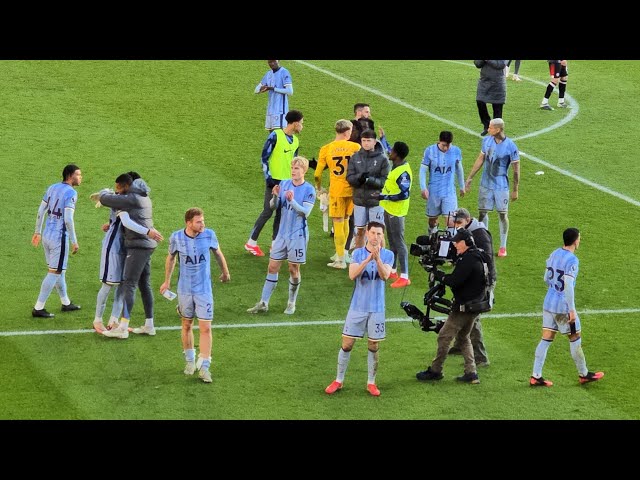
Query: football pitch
{"points": [[194, 130]]}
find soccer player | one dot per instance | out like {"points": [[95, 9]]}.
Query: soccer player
{"points": [[497, 153], [394, 199], [295, 198], [559, 310], [278, 84], [559, 72], [137, 265], [370, 268], [367, 171], [335, 156], [113, 255], [59, 203], [192, 245], [278, 151], [441, 160]]}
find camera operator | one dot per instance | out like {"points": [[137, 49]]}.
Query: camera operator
{"points": [[483, 240], [468, 283]]}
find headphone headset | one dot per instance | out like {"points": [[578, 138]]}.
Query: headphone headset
{"points": [[470, 241]]}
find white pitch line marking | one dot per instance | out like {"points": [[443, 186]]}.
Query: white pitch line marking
{"points": [[573, 112], [619, 311]]}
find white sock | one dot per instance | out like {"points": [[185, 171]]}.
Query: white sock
{"points": [[48, 283], [101, 301], [148, 322], [252, 243], [372, 366], [343, 363], [294, 287]]}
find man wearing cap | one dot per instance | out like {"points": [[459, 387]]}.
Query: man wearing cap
{"points": [[468, 283], [483, 240]]}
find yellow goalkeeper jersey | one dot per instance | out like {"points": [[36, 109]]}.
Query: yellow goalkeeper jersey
{"points": [[335, 156]]}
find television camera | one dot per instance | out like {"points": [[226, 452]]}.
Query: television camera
{"points": [[432, 251]]}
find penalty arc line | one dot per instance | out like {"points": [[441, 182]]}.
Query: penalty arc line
{"points": [[533, 158]]}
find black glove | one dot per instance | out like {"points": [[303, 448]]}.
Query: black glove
{"points": [[363, 178], [374, 182], [313, 163]]}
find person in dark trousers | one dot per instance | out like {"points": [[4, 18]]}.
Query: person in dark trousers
{"points": [[394, 199], [468, 283], [492, 88], [483, 240], [137, 265], [278, 152]]}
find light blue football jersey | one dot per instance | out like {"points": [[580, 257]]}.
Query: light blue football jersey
{"points": [[368, 293], [442, 169], [559, 264], [497, 158], [58, 197], [195, 260]]}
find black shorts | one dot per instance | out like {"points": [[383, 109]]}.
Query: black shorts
{"points": [[557, 71]]}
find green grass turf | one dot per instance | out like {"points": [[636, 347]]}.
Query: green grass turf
{"points": [[194, 130]]}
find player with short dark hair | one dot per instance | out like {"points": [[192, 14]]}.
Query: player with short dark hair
{"points": [[278, 151], [278, 85], [559, 310], [443, 161], [59, 203]]}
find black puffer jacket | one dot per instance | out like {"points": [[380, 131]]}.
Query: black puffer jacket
{"points": [[492, 84], [366, 173]]}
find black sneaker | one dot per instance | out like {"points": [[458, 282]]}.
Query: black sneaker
{"points": [[41, 313], [429, 374], [469, 378], [70, 308], [484, 132]]}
